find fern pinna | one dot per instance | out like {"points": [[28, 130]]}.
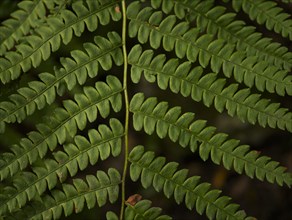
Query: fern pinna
{"points": [[83, 80]]}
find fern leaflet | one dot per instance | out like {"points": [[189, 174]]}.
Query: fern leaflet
{"points": [[207, 88], [266, 12], [75, 70], [101, 144], [29, 15], [215, 20], [143, 210], [57, 29], [165, 177], [64, 121], [96, 190], [150, 26], [155, 117]]}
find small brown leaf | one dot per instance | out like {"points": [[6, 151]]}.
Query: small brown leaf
{"points": [[133, 199], [117, 9]]}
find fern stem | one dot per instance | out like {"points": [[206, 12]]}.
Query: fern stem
{"points": [[126, 150]]}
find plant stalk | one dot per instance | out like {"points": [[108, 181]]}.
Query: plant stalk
{"points": [[126, 140]]}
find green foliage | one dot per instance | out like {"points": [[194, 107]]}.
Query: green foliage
{"points": [[149, 25], [165, 177], [266, 12], [47, 37], [62, 123], [96, 190], [75, 157], [215, 20], [155, 117], [208, 88], [22, 21], [143, 210], [42, 92], [140, 210], [66, 69]]}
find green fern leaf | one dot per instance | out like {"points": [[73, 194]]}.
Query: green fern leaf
{"points": [[155, 117], [165, 177], [48, 36], [111, 216], [75, 157], [28, 16], [97, 189], [64, 121], [143, 210], [180, 78], [266, 12], [75, 70], [215, 20], [206, 50]]}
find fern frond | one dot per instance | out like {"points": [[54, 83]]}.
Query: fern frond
{"points": [[95, 190], [165, 177], [111, 216], [22, 21], [64, 121], [215, 20], [180, 78], [101, 144], [75, 70], [142, 210], [57, 29], [147, 25], [266, 12], [156, 117]]}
